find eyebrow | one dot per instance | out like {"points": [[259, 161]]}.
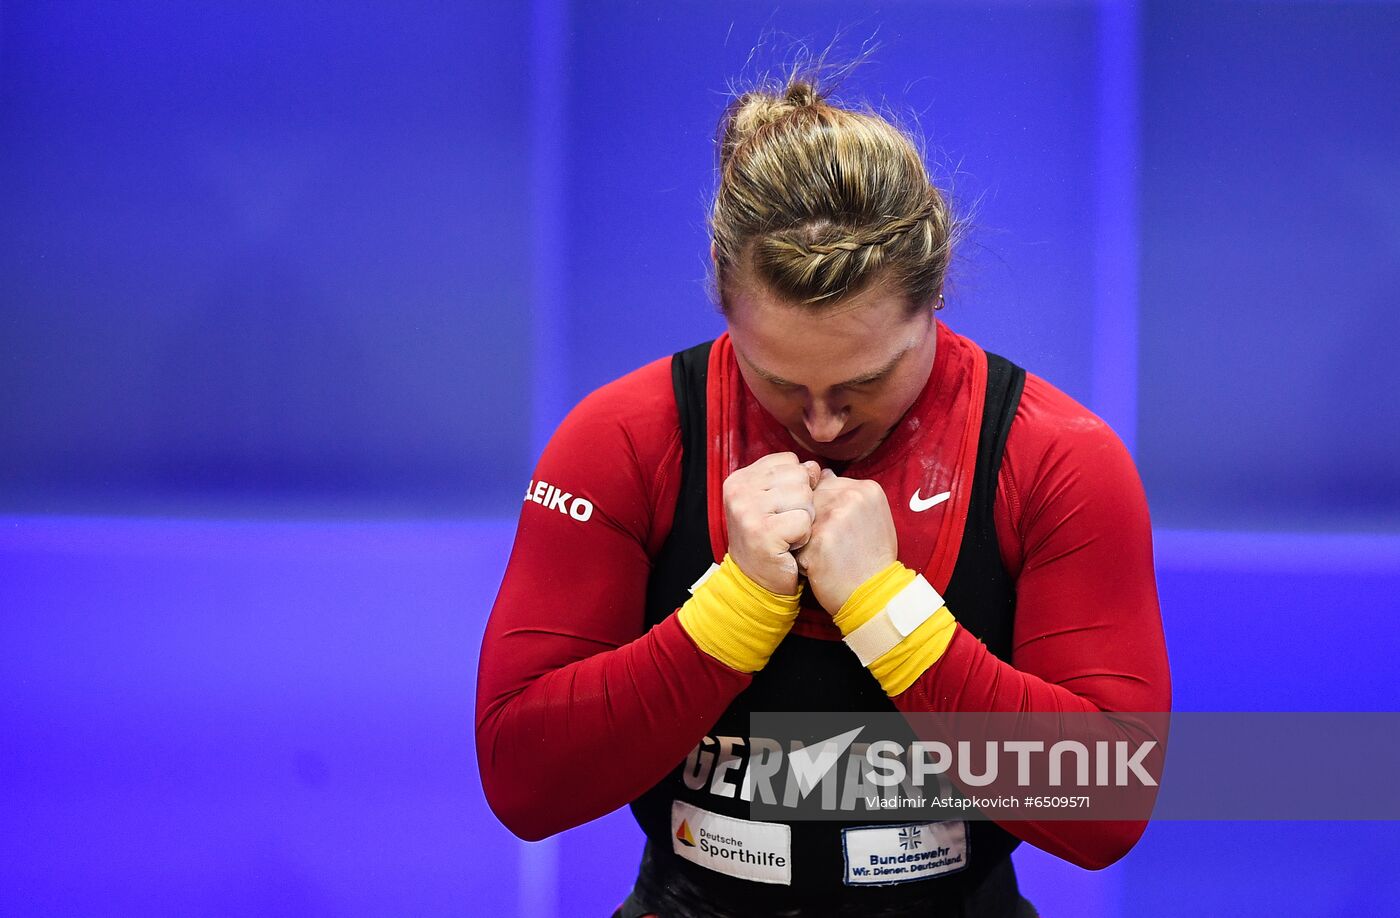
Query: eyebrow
{"points": [[856, 381]]}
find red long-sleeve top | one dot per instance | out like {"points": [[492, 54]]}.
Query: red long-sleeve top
{"points": [[580, 709]]}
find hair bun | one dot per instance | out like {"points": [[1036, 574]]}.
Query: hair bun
{"points": [[801, 94], [754, 109]]}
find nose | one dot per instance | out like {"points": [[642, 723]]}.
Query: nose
{"points": [[824, 421]]}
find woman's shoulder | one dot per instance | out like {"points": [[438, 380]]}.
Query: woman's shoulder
{"points": [[1049, 414], [640, 404], [619, 449], [1057, 449]]}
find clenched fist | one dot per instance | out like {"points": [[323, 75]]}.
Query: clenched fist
{"points": [[768, 508], [853, 538]]}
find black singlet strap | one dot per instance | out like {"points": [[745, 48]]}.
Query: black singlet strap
{"points": [[687, 547]]}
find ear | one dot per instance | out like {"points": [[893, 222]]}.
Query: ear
{"points": [[714, 253]]}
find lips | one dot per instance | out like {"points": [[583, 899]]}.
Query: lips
{"points": [[832, 446]]}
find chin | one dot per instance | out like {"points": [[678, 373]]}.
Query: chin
{"points": [[843, 454]]}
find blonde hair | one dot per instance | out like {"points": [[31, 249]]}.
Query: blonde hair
{"points": [[817, 201]]}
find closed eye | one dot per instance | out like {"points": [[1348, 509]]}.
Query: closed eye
{"points": [[866, 383]]}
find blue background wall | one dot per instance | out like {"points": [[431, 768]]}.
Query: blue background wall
{"points": [[290, 295]]}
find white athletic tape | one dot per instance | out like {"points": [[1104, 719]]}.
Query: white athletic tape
{"points": [[709, 572], [910, 608]]}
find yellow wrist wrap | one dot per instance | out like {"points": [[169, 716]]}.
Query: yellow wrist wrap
{"points": [[898, 667], [737, 621]]}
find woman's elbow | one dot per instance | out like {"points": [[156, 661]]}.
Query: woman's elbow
{"points": [[527, 826], [513, 797], [520, 811], [1106, 845]]}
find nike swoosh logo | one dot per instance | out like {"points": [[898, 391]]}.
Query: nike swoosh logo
{"points": [[920, 504]]}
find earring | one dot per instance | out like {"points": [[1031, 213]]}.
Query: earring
{"points": [[940, 304]]}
